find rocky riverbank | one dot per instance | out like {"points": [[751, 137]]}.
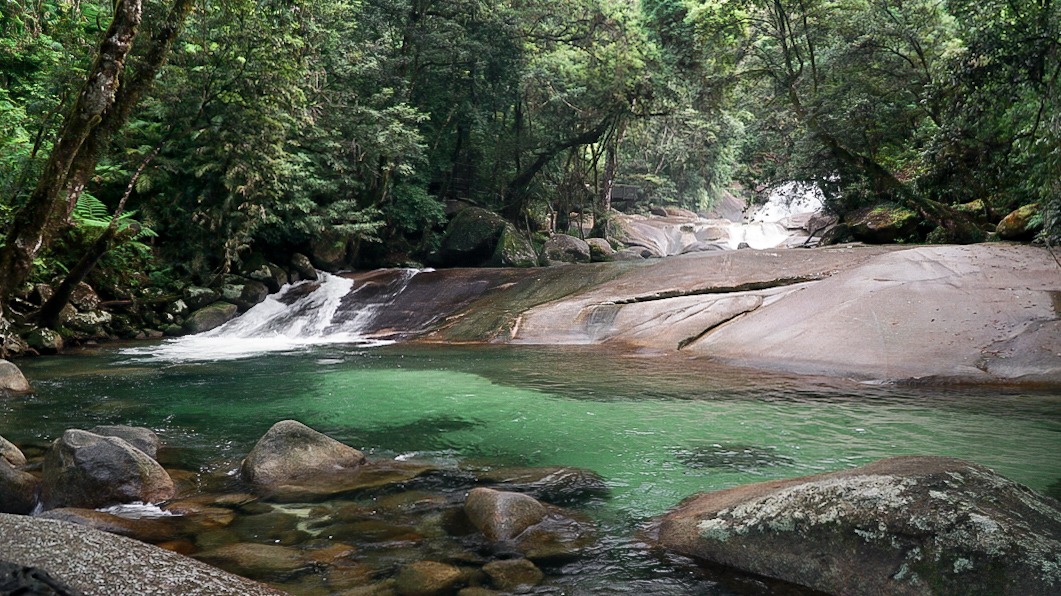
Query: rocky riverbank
{"points": [[311, 515]]}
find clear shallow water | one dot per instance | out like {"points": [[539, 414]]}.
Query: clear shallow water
{"points": [[657, 429]]}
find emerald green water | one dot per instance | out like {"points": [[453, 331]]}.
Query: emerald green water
{"points": [[656, 429]]}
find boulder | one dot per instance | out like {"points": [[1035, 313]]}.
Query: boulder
{"points": [[291, 453], [251, 294], [11, 379], [196, 297], [905, 525], [471, 238], [83, 469], [18, 489], [513, 250], [561, 248], [557, 485], [95, 562], [427, 578], [329, 251], [142, 438], [882, 224], [302, 266], [512, 574], [45, 341], [502, 515], [600, 250], [210, 317], [1021, 224], [11, 454], [84, 298]]}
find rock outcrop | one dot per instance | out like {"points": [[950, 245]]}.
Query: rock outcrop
{"points": [[82, 469], [906, 525]]}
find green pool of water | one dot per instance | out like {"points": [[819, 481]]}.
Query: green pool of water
{"points": [[657, 429]]}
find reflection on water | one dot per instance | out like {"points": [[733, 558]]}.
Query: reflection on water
{"points": [[656, 429]]}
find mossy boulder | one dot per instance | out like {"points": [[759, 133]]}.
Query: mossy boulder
{"points": [[562, 248], [905, 525], [1021, 224], [600, 250], [471, 238], [882, 224], [45, 341], [513, 250]]}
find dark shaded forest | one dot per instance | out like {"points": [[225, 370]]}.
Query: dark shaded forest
{"points": [[150, 144]]}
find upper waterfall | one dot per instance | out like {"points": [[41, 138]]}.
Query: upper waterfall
{"points": [[332, 310]]}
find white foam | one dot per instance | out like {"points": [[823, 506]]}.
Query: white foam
{"points": [[275, 326]]}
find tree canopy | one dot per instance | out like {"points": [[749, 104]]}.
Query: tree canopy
{"points": [[242, 126]]}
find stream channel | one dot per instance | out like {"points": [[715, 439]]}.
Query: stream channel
{"points": [[656, 429]]}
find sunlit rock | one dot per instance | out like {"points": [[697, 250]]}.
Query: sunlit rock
{"points": [[906, 525], [82, 469]]}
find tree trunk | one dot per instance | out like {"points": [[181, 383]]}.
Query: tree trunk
{"points": [[34, 223], [132, 89]]}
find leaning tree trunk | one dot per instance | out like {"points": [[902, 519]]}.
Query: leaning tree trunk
{"points": [[34, 222]]}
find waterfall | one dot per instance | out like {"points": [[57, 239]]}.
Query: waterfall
{"points": [[332, 310]]}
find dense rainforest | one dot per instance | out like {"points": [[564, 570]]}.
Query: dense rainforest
{"points": [[146, 145]]}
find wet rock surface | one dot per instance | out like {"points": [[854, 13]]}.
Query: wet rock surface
{"points": [[142, 438], [906, 525], [291, 454], [82, 469]]}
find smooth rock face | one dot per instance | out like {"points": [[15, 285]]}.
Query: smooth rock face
{"points": [[906, 525], [502, 515], [82, 469], [142, 438], [102, 564], [11, 379], [293, 453]]}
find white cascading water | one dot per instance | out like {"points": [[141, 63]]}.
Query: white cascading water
{"points": [[291, 319]]}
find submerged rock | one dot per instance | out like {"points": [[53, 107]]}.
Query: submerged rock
{"points": [[427, 578], [511, 574], [145, 529], [266, 562], [906, 525], [291, 453], [518, 522], [83, 469]]}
